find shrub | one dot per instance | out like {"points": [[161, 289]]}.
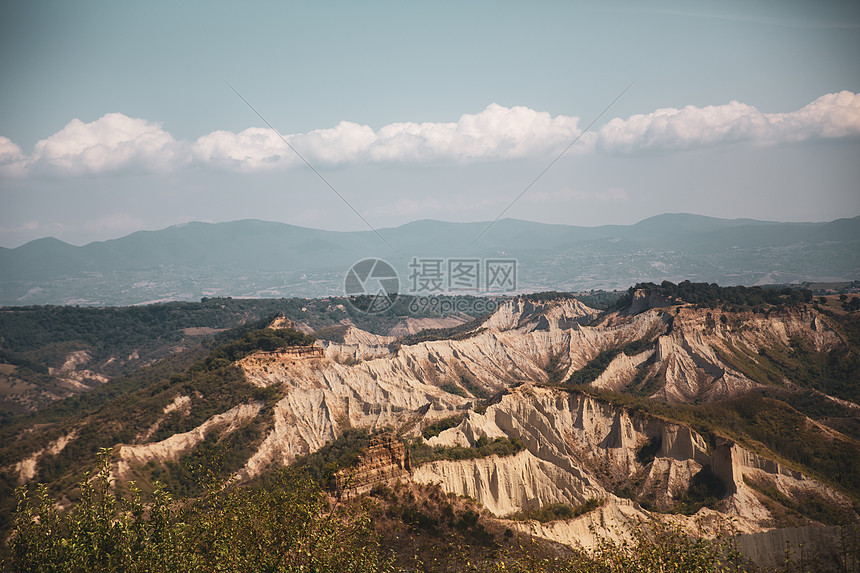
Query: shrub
{"points": [[285, 526], [440, 426], [421, 453], [557, 511]]}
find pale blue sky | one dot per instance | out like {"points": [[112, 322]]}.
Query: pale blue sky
{"points": [[308, 66]]}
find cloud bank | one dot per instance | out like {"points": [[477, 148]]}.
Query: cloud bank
{"points": [[13, 163], [830, 116], [116, 142], [495, 133], [113, 142]]}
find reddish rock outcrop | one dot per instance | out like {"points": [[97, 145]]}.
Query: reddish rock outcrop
{"points": [[384, 461]]}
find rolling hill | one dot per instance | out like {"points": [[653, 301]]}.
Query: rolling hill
{"points": [[257, 259]]}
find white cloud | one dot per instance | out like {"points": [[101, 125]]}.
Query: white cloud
{"points": [[12, 161], [31, 225], [253, 149], [831, 115], [110, 143], [493, 134], [346, 143], [118, 142]]}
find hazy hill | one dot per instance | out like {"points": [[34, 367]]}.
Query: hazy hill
{"points": [[253, 258]]}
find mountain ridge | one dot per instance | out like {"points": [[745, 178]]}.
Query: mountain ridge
{"points": [[188, 262], [649, 222]]}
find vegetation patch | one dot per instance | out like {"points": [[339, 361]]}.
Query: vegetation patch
{"points": [[555, 368], [637, 346], [341, 453], [421, 453], [597, 299], [285, 526], [452, 388], [334, 333], [460, 332], [440, 426], [645, 383], [286, 523], [594, 368], [548, 296], [646, 452], [440, 532], [808, 505], [15, 359], [266, 339], [752, 365], [213, 461], [706, 490], [469, 383], [763, 425], [711, 295], [557, 511], [835, 372]]}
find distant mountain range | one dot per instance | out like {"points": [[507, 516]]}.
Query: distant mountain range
{"points": [[253, 258]]}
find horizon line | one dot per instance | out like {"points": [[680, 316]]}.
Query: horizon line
{"points": [[427, 220]]}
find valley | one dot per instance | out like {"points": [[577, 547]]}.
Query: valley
{"points": [[261, 259]]}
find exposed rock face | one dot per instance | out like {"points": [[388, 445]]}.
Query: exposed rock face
{"points": [[180, 404], [26, 468], [178, 444], [359, 345], [579, 447], [576, 447], [282, 321], [519, 312], [819, 549], [739, 468], [506, 485], [322, 397], [397, 388], [611, 521], [415, 325], [75, 379], [699, 355], [385, 460], [621, 371], [643, 300]]}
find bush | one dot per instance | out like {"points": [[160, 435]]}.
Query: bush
{"points": [[706, 489], [557, 511], [286, 526], [646, 452], [343, 452], [265, 339], [709, 295], [421, 453], [440, 426]]}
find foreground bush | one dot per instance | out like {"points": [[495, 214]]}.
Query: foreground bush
{"points": [[285, 526]]}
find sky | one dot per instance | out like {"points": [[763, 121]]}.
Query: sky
{"points": [[117, 117]]}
